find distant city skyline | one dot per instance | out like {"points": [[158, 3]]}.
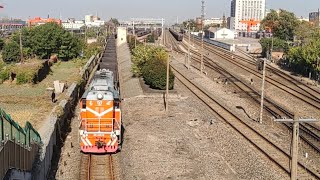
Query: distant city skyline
{"points": [[125, 9]]}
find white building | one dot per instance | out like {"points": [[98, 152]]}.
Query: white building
{"points": [[247, 10], [73, 25], [88, 18], [97, 23], [223, 33], [303, 19], [93, 21], [212, 21]]}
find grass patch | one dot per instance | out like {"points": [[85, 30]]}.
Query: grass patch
{"points": [[26, 72]]}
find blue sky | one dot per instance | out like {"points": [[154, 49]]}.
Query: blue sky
{"points": [[124, 9]]}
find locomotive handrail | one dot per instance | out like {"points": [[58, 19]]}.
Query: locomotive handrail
{"points": [[86, 124]]}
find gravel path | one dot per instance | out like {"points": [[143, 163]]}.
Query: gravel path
{"points": [[69, 163], [187, 143]]}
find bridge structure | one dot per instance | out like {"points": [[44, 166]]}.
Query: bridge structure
{"points": [[143, 23]]}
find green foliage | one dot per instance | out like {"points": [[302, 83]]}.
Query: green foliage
{"points": [[132, 42], [115, 21], [282, 24], [306, 56], [10, 52], [92, 49], [142, 54], [93, 32], [4, 74], [192, 23], [155, 74], [1, 43], [278, 45], [304, 32], [150, 62], [27, 72], [151, 38], [48, 39]]}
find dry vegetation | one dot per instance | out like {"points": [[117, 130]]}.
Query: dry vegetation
{"points": [[32, 102]]}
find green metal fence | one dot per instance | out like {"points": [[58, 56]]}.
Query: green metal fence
{"points": [[10, 130]]}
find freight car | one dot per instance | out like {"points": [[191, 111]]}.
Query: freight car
{"points": [[177, 36], [100, 113], [142, 33]]}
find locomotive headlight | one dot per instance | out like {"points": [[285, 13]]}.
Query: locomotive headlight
{"points": [[100, 96]]}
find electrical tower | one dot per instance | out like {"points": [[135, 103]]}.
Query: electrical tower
{"points": [[202, 24]]}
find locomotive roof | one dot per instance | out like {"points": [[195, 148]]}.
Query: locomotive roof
{"points": [[102, 83]]}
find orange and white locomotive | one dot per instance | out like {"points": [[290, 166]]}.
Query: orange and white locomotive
{"points": [[100, 116]]}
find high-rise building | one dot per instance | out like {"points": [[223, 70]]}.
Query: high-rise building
{"points": [[247, 10], [314, 18]]}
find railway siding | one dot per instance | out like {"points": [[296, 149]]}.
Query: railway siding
{"points": [[271, 150]]}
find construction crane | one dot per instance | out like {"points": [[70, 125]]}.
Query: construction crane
{"points": [[250, 23]]}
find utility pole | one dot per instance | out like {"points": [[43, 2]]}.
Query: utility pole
{"points": [[135, 41], [188, 61], [262, 89], [295, 142], [167, 84], [202, 50], [21, 49]]}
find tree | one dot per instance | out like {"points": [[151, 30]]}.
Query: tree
{"points": [[48, 39], [303, 32], [10, 52], [282, 24], [278, 45], [192, 24], [115, 21]]}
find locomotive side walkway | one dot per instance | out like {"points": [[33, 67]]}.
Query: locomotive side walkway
{"points": [[130, 86]]}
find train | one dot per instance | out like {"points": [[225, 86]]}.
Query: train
{"points": [[100, 125], [142, 33], [177, 36]]}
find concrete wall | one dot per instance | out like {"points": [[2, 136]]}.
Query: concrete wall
{"points": [[53, 129], [121, 35]]}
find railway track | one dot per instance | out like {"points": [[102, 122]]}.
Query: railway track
{"points": [[311, 138], [268, 148], [295, 88], [309, 133], [97, 167]]}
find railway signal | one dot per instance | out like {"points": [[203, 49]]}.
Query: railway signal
{"points": [[295, 141]]}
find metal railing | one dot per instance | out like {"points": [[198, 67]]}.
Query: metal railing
{"points": [[88, 125]]}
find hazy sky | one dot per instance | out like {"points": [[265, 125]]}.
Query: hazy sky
{"points": [[124, 9]]}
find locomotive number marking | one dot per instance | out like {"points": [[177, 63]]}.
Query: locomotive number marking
{"points": [[99, 103]]}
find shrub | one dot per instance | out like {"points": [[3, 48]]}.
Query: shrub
{"points": [[92, 49], [142, 54], [4, 74], [151, 38], [155, 74], [26, 73], [1, 43]]}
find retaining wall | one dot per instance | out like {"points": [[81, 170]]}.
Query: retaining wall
{"points": [[54, 129]]}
